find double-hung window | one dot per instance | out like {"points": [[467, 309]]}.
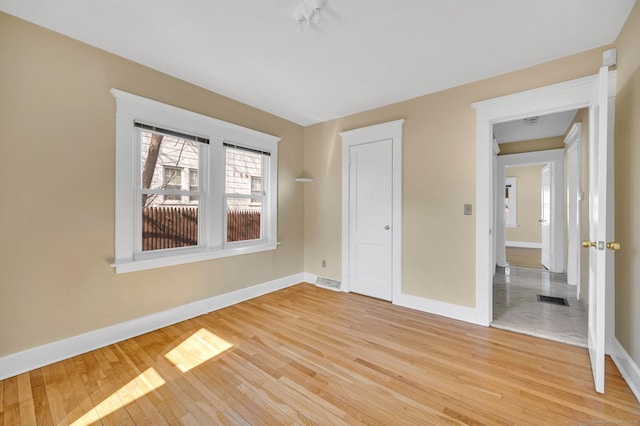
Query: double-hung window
{"points": [[189, 187]]}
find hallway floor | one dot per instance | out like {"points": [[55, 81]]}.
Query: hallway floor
{"points": [[516, 308]]}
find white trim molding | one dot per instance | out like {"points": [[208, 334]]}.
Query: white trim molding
{"points": [[436, 307], [555, 158], [30, 359], [628, 368], [310, 278], [523, 244]]}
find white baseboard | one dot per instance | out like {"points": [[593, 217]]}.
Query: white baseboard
{"points": [[49, 353], [40, 356], [628, 368], [457, 312], [522, 244], [228, 299], [313, 279], [310, 278]]}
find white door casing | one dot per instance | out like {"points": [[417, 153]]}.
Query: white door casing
{"points": [[545, 216], [555, 159], [601, 225], [384, 141], [570, 95]]}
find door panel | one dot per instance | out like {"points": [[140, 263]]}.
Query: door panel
{"points": [[370, 218], [600, 221], [545, 216]]}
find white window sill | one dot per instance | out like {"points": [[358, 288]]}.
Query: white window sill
{"points": [[124, 266], [510, 225]]}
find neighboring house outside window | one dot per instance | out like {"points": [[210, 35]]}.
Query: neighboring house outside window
{"points": [[244, 168], [172, 181], [256, 188], [193, 183]]}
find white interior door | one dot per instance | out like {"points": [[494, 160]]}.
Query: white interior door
{"points": [[545, 216], [370, 219], [600, 221]]}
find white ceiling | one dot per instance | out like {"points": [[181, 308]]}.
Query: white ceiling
{"points": [[545, 126], [365, 53]]}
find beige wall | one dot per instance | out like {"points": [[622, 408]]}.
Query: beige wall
{"points": [[438, 179], [532, 145], [57, 121], [627, 178], [529, 186]]}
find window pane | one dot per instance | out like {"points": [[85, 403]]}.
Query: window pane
{"points": [[164, 159], [169, 227], [243, 168], [243, 219], [172, 182], [194, 183]]}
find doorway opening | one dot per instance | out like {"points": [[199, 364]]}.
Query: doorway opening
{"points": [[598, 94], [531, 247]]}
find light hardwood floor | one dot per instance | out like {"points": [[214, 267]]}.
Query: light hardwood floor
{"points": [[305, 355], [522, 257]]}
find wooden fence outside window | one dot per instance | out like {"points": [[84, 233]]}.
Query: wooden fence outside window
{"points": [[171, 227]]}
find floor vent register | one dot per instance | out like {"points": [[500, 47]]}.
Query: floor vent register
{"points": [[553, 300]]}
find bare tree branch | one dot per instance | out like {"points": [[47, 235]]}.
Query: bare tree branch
{"points": [[150, 163]]}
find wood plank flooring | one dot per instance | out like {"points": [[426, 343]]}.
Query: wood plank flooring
{"points": [[308, 356], [523, 257]]}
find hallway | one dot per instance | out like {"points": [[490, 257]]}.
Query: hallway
{"points": [[516, 308]]}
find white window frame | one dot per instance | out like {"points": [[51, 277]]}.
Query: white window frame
{"points": [[264, 198], [512, 220], [212, 234]]}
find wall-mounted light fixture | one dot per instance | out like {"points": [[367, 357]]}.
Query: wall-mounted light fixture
{"points": [[306, 12]]}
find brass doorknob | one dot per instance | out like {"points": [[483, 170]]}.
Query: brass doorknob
{"points": [[587, 244], [613, 246]]}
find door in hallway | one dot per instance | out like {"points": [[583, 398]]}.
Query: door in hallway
{"points": [[545, 216]]}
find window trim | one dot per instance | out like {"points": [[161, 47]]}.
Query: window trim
{"points": [[131, 108]]}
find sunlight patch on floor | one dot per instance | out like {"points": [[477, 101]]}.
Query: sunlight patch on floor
{"points": [[200, 347], [144, 383]]}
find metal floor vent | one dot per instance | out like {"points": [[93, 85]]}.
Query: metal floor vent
{"points": [[553, 300], [326, 282]]}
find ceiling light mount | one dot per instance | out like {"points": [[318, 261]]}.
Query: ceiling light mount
{"points": [[308, 11]]}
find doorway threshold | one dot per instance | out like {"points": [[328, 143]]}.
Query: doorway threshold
{"points": [[516, 307]]}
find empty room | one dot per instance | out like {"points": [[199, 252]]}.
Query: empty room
{"points": [[305, 212]]}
